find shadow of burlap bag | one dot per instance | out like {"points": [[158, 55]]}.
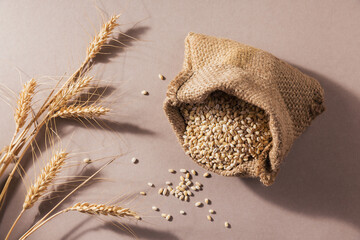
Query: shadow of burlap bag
{"points": [[289, 97]]}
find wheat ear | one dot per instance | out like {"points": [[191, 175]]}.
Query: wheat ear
{"points": [[41, 184], [92, 209], [74, 111], [24, 103], [46, 218], [99, 40], [46, 176], [71, 90], [102, 209]]}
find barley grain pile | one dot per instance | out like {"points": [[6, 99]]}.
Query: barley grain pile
{"points": [[223, 131]]}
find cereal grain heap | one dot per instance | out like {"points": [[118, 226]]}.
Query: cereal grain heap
{"points": [[223, 132]]}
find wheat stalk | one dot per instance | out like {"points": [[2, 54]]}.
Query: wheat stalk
{"points": [[92, 209], [41, 184], [46, 218], [45, 178], [24, 103], [74, 111], [76, 82]]}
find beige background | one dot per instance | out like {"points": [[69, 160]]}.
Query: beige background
{"points": [[317, 191]]}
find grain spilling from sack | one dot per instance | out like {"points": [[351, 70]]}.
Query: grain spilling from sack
{"points": [[223, 131]]}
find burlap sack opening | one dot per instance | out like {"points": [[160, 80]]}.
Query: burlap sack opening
{"points": [[290, 98]]}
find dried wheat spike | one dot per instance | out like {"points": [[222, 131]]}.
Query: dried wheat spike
{"points": [[24, 103], [104, 34], [47, 175], [102, 209], [67, 93], [74, 111]]}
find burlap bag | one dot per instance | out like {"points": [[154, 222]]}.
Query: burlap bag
{"points": [[290, 98]]}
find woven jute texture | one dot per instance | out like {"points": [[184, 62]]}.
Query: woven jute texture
{"points": [[289, 97]]}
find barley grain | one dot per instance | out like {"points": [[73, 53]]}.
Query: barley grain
{"points": [[161, 191], [134, 160], [155, 208], [198, 204], [209, 218], [171, 170], [144, 92], [143, 193], [151, 184], [182, 212]]}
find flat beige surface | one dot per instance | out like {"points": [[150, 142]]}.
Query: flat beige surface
{"points": [[317, 192]]}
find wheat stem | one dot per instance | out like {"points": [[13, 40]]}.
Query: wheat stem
{"points": [[15, 222], [41, 224]]}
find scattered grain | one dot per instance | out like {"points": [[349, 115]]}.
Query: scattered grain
{"points": [[143, 193], [134, 160], [198, 204], [183, 170], [161, 191], [161, 77], [144, 92], [87, 160], [151, 184], [227, 225], [209, 218], [182, 212], [165, 192], [207, 175], [171, 170], [155, 208]]}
